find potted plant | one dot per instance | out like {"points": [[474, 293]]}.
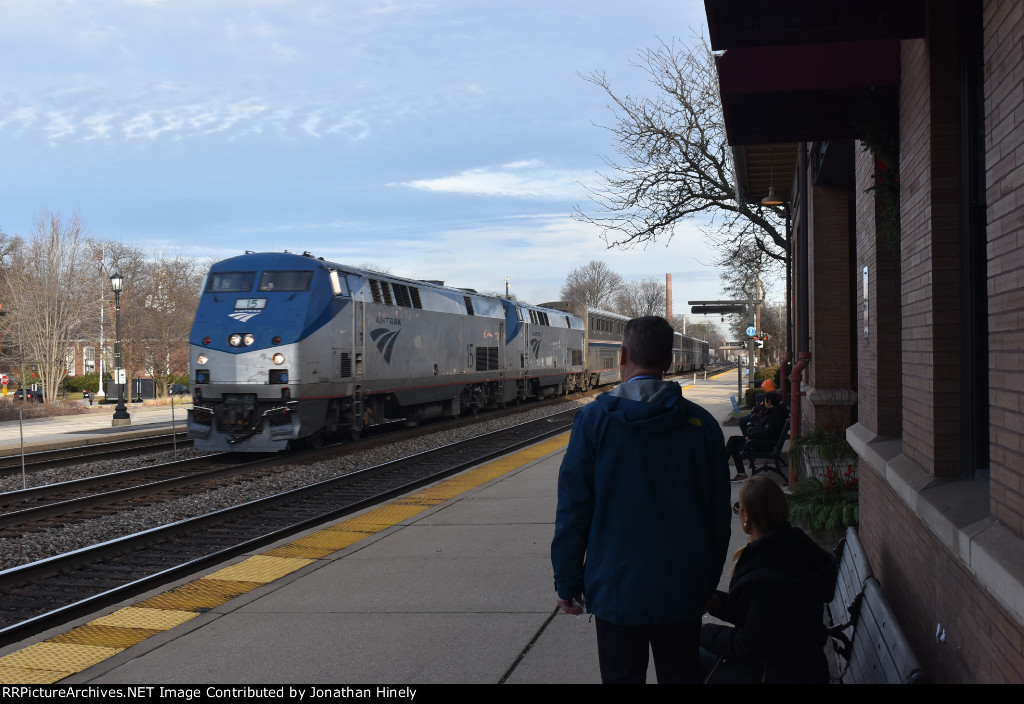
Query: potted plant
{"points": [[826, 500]]}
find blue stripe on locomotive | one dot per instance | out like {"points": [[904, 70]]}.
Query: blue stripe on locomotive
{"points": [[291, 315]]}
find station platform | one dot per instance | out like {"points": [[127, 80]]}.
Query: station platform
{"points": [[92, 427], [450, 584]]}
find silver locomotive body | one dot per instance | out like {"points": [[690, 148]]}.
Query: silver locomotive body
{"points": [[289, 348]]}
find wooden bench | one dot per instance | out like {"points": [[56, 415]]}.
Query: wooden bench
{"points": [[869, 645], [771, 453]]}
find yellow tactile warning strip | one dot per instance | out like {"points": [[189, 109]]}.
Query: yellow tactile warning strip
{"points": [[82, 647]]}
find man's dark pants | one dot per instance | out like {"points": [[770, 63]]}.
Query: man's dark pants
{"points": [[623, 652], [733, 447]]}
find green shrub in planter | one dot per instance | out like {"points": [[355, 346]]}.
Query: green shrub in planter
{"points": [[826, 506]]}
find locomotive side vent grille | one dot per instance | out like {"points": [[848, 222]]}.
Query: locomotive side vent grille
{"points": [[415, 293], [402, 296], [577, 357], [469, 305], [346, 364], [486, 358], [375, 291]]}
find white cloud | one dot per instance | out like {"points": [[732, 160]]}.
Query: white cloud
{"points": [[311, 123], [517, 179], [59, 125], [98, 126]]}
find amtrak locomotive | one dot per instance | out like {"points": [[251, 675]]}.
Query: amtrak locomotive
{"points": [[287, 348]]}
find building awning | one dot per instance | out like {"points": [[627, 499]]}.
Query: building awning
{"points": [[735, 24], [802, 93]]}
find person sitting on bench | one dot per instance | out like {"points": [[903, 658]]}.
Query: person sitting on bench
{"points": [[759, 434], [778, 586]]}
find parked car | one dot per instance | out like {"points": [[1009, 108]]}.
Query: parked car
{"points": [[179, 390], [29, 394]]}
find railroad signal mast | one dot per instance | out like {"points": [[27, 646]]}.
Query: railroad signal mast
{"points": [[751, 309]]}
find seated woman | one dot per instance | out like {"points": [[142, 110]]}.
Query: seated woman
{"points": [[780, 582]]}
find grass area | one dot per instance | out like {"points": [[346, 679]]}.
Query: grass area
{"points": [[166, 401], [9, 409]]}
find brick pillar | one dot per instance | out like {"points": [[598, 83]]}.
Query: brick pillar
{"points": [[930, 245]]}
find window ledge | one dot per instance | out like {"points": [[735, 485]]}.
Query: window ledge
{"points": [[956, 511]]}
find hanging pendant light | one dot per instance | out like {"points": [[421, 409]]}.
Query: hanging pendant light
{"points": [[771, 198]]}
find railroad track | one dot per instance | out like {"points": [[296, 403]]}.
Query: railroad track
{"points": [[39, 595], [79, 499], [49, 459]]}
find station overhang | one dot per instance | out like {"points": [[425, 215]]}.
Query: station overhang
{"points": [[734, 24], [805, 92]]}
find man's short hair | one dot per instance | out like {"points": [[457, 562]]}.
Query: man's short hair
{"points": [[774, 396], [649, 341]]}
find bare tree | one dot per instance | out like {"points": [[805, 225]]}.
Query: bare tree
{"points": [[42, 288], [129, 261], [593, 284], [376, 268], [169, 294], [643, 297], [674, 163]]}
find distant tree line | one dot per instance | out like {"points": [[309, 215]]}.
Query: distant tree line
{"points": [[54, 283], [595, 285]]}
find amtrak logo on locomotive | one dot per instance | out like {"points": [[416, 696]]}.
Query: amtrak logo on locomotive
{"points": [[385, 340], [243, 317], [535, 342]]}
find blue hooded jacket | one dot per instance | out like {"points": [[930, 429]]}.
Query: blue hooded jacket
{"points": [[643, 501]]}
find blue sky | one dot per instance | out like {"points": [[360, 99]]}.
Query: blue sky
{"points": [[441, 139]]}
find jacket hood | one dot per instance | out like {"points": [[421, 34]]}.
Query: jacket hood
{"points": [[646, 406]]}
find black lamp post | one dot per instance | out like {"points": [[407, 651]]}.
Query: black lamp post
{"points": [[121, 415]]}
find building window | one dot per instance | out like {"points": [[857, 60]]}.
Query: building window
{"points": [[88, 360]]}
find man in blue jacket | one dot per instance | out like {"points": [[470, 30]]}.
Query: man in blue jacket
{"points": [[642, 526]]}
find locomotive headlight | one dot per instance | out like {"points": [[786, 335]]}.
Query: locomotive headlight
{"points": [[248, 339], [277, 359], [235, 340], [202, 359]]}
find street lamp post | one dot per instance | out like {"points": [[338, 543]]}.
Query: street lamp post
{"points": [[121, 415]]}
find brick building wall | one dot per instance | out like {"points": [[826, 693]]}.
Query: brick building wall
{"points": [[829, 376], [1003, 31], [931, 589], [879, 390], [929, 180], [949, 554]]}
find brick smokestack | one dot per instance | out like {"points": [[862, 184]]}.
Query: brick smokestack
{"points": [[668, 297]]}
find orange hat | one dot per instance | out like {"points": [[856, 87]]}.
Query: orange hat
{"points": [[768, 386]]}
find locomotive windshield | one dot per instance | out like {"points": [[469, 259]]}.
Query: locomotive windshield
{"points": [[230, 281], [285, 280]]}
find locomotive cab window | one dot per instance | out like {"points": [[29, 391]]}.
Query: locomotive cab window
{"points": [[285, 280], [226, 281], [338, 283]]}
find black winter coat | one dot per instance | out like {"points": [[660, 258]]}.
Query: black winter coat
{"points": [[764, 432], [775, 600]]}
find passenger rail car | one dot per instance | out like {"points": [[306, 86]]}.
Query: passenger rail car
{"points": [[603, 341], [287, 347]]}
